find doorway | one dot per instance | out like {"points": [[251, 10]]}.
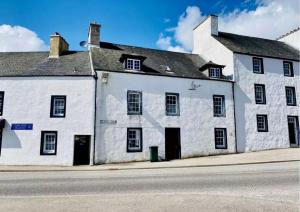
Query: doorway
{"points": [[293, 125], [82, 149], [172, 142]]}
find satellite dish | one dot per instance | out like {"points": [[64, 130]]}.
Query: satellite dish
{"points": [[83, 44]]}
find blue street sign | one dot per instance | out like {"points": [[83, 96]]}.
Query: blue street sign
{"points": [[22, 126]]}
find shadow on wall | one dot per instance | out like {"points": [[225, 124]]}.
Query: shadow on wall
{"points": [[9, 138], [240, 103]]}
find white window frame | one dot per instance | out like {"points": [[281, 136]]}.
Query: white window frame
{"points": [[219, 106], [262, 123], [132, 104], [46, 143], [220, 138], [215, 73], [172, 104], [137, 140], [133, 64]]}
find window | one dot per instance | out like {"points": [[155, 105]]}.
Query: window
{"points": [[262, 123], [133, 64], [134, 103], [219, 105], [48, 142], [58, 107], [134, 140], [172, 104], [220, 138], [215, 72], [290, 96], [260, 94], [288, 69], [258, 66], [1, 102]]}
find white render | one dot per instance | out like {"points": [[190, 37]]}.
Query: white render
{"points": [[27, 100], [248, 139], [240, 65], [292, 39], [196, 120], [209, 48]]}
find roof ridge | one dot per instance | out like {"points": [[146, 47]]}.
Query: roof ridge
{"points": [[147, 48], [249, 36], [288, 33]]}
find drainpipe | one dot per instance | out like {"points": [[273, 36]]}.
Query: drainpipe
{"points": [[233, 99]]}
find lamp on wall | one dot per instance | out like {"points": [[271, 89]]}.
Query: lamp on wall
{"points": [[104, 77]]}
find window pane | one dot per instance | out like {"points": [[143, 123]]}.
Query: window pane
{"points": [[134, 140], [172, 106], [220, 138], [134, 100], [219, 105], [49, 143]]}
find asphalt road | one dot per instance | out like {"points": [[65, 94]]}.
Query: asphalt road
{"points": [[263, 187]]}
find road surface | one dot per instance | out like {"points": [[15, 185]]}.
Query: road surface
{"points": [[260, 187]]}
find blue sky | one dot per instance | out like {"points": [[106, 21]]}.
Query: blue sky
{"points": [[133, 22]]}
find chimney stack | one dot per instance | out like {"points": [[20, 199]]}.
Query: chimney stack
{"points": [[58, 45], [94, 35], [214, 25]]}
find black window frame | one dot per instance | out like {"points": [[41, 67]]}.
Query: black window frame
{"points": [[53, 97], [2, 102], [294, 97], [42, 143], [177, 104], [261, 65], [140, 106], [223, 105], [141, 140], [264, 94], [291, 66], [266, 123], [225, 137]]}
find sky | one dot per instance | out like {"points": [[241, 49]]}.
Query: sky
{"points": [[161, 24]]}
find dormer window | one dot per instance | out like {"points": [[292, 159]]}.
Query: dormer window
{"points": [[214, 72], [133, 64]]}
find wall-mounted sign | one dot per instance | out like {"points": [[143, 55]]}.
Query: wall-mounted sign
{"points": [[22, 126], [108, 121]]}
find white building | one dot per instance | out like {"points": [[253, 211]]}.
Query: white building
{"points": [[267, 84], [46, 106], [113, 102]]}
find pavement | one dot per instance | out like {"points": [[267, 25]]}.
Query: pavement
{"points": [[269, 156]]}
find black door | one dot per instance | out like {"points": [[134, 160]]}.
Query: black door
{"points": [[172, 139], [293, 126], [82, 150]]}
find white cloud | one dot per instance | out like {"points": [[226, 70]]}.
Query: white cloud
{"points": [[19, 39], [270, 19]]}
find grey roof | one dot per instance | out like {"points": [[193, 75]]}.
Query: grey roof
{"points": [[257, 46], [109, 56], [39, 64]]}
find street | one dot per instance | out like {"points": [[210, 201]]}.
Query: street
{"points": [[254, 187]]}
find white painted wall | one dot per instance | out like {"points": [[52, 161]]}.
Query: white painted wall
{"points": [[27, 100], [292, 39], [209, 48], [196, 116], [247, 136]]}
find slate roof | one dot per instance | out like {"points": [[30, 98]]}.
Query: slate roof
{"points": [[257, 46], [39, 64], [108, 57]]}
